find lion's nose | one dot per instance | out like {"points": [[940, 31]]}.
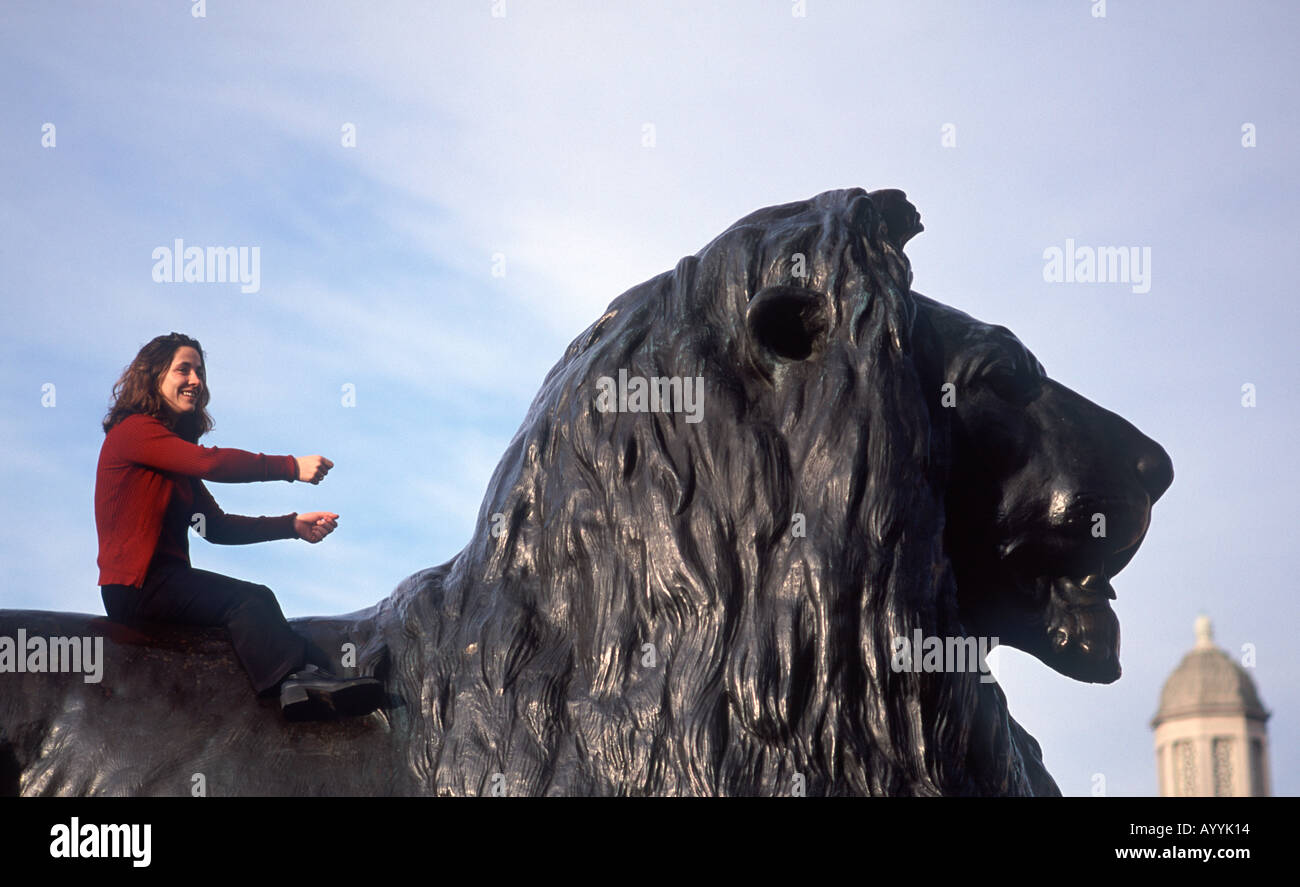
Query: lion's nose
{"points": [[1155, 469]]}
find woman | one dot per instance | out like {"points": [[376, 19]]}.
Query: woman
{"points": [[149, 488]]}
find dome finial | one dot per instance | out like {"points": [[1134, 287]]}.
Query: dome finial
{"points": [[1204, 632]]}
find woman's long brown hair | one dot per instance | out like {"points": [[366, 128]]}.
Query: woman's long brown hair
{"points": [[136, 391]]}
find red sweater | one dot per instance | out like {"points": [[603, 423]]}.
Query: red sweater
{"points": [[149, 484]]}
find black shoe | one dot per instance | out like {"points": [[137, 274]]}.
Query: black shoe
{"points": [[312, 694]]}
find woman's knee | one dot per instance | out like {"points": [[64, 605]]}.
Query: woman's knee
{"points": [[262, 595], [260, 599]]}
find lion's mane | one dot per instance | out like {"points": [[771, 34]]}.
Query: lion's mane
{"points": [[524, 660]]}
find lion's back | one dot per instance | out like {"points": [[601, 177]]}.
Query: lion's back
{"points": [[172, 713]]}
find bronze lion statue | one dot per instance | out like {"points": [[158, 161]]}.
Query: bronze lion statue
{"points": [[733, 495]]}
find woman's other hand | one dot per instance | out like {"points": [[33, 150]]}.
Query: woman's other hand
{"points": [[312, 469], [315, 525]]}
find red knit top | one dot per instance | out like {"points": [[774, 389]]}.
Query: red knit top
{"points": [[148, 486]]}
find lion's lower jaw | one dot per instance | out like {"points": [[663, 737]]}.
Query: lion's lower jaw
{"points": [[1080, 640]]}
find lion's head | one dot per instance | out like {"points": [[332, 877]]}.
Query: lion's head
{"points": [[697, 590], [1048, 498]]}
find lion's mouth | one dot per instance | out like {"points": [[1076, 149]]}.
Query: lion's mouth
{"points": [[1072, 627], [1080, 628]]}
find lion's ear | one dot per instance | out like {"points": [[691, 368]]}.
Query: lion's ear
{"points": [[787, 320]]}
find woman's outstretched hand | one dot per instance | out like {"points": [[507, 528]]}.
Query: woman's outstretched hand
{"points": [[315, 525], [312, 469]]}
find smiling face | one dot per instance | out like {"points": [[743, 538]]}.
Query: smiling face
{"points": [[181, 387], [1049, 497]]}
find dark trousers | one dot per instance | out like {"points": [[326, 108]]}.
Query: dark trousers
{"points": [[179, 594]]}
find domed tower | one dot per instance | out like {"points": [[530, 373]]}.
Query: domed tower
{"points": [[1210, 733]]}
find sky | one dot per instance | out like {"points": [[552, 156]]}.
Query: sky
{"points": [[516, 165]]}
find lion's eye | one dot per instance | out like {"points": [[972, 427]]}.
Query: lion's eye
{"points": [[1008, 378], [1002, 369]]}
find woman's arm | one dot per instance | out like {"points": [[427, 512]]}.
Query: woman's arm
{"points": [[236, 529], [147, 441]]}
